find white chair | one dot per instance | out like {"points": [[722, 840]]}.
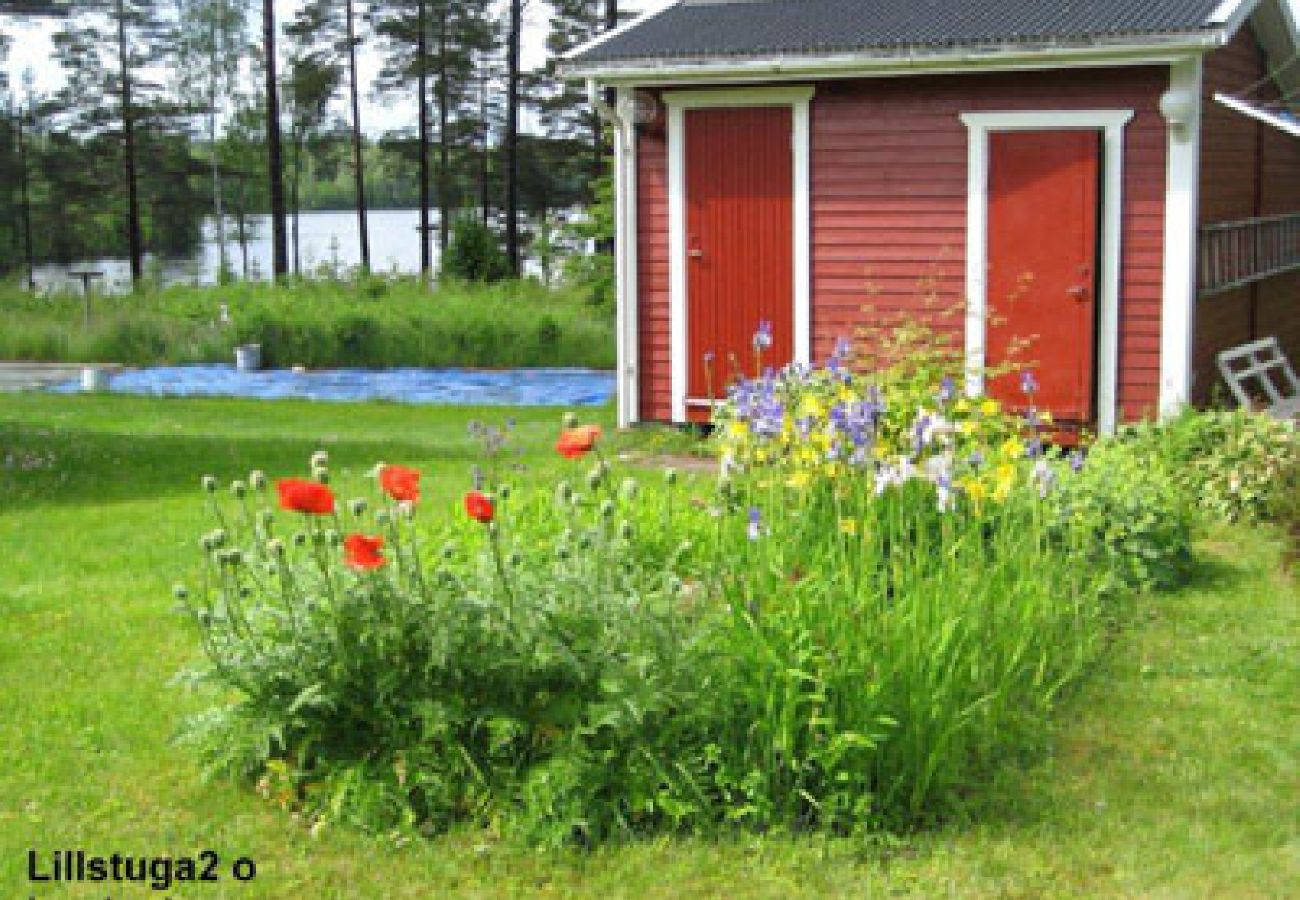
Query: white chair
{"points": [[1258, 374]]}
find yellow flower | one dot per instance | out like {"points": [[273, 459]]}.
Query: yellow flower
{"points": [[989, 407], [797, 480], [846, 396], [962, 405], [1046, 417], [849, 526], [975, 489], [1012, 448], [880, 452], [812, 407], [968, 427]]}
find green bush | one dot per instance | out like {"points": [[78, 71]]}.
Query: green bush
{"points": [[1137, 523], [1228, 464], [474, 252]]}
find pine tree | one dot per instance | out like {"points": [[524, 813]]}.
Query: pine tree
{"points": [[567, 112]]}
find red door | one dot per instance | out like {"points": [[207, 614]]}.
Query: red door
{"points": [[739, 244], [1042, 254]]}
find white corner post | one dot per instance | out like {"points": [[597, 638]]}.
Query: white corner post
{"points": [[799, 99], [625, 260], [1111, 123], [1181, 107]]}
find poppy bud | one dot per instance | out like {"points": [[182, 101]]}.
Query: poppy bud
{"points": [[245, 592], [563, 492], [383, 517], [584, 542], [267, 518], [275, 547], [257, 480], [607, 509], [670, 476], [332, 538], [503, 491], [318, 538], [238, 488], [180, 592], [299, 539], [629, 488], [625, 529], [593, 479], [321, 474], [570, 420], [562, 552], [209, 484], [448, 551], [235, 557], [406, 509], [515, 560], [320, 459], [359, 506]]}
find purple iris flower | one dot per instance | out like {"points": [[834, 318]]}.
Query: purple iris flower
{"points": [[763, 337], [1034, 448], [1076, 461], [947, 389], [1028, 383], [755, 529]]}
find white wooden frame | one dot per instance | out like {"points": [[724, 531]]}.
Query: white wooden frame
{"points": [[1111, 123], [626, 236], [677, 102], [1182, 184]]}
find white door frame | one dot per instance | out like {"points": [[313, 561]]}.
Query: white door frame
{"points": [[799, 99], [1111, 123]]}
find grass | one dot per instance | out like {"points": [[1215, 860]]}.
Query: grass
{"points": [[1174, 772], [375, 323]]}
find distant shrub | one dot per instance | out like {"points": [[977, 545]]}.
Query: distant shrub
{"points": [[474, 253]]}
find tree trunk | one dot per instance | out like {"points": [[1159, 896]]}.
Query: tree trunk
{"points": [[295, 180], [219, 219], [512, 137], [358, 162], [484, 191], [422, 61], [128, 139], [444, 149], [275, 162], [27, 207]]}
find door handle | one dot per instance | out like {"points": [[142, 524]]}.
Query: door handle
{"points": [[1078, 292], [695, 254]]}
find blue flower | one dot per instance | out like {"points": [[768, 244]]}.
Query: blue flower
{"points": [[1028, 383], [1076, 460], [947, 389], [755, 529], [763, 336]]}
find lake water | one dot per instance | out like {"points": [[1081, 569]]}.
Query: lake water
{"points": [[326, 239], [462, 387]]}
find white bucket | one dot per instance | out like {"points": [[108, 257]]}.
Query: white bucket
{"points": [[94, 380], [248, 357]]}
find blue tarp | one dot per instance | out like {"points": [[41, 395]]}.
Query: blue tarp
{"points": [[461, 387]]}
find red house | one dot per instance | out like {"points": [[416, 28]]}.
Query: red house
{"points": [[1114, 179]]}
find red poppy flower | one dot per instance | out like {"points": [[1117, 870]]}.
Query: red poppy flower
{"points": [[400, 483], [299, 495], [574, 442], [479, 507], [362, 552]]}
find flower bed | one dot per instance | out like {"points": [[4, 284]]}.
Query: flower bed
{"points": [[880, 601]]}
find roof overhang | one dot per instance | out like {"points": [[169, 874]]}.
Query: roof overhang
{"points": [[993, 57]]}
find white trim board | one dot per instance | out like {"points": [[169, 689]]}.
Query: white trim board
{"points": [[626, 236], [1111, 122], [799, 100], [1182, 183]]}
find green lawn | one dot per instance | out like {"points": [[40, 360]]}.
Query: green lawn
{"points": [[1175, 772]]}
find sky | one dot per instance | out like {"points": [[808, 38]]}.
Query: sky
{"points": [[33, 49]]}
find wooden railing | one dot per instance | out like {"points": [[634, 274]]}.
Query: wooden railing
{"points": [[1236, 253]]}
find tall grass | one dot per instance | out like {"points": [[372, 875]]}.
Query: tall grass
{"points": [[370, 323]]}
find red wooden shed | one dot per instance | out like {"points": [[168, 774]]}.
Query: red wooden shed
{"points": [[1114, 180]]}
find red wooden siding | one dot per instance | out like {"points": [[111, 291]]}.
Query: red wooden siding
{"points": [[653, 277], [1247, 169], [889, 208]]}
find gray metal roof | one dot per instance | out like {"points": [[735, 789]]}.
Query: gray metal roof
{"points": [[738, 28]]}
